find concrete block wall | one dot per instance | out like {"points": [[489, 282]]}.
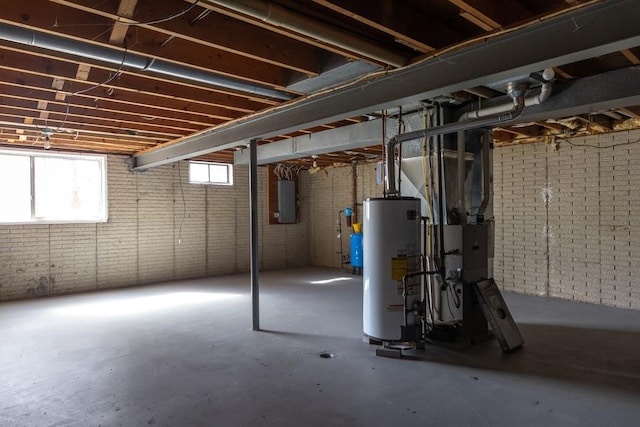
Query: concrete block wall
{"points": [[330, 191], [151, 236], [567, 220]]}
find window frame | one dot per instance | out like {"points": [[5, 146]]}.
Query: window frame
{"points": [[32, 155], [228, 166]]}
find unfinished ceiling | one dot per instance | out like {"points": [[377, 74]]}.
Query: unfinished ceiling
{"points": [[133, 76]]}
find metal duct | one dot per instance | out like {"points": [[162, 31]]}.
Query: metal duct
{"points": [[16, 34], [516, 91], [544, 94], [279, 16]]}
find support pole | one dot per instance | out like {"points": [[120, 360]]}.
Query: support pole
{"points": [[253, 205]]}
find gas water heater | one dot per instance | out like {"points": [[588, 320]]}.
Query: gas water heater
{"points": [[392, 239]]}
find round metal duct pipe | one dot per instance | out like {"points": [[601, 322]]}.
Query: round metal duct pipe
{"points": [[279, 16], [26, 36]]}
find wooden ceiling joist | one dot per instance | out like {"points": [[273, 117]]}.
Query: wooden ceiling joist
{"points": [[631, 56], [229, 35], [492, 14], [144, 42], [383, 19], [120, 28], [20, 62]]}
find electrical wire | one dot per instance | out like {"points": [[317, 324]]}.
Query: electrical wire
{"points": [[287, 172], [118, 72], [151, 22], [168, 18], [111, 78], [598, 147]]}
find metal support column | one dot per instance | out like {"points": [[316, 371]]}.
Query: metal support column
{"points": [[253, 205]]}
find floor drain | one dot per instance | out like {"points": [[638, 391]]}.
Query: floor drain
{"points": [[327, 355]]}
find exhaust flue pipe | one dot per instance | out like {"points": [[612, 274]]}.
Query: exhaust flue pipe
{"points": [[516, 91]]}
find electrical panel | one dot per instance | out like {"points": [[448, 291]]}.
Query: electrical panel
{"points": [[286, 202]]}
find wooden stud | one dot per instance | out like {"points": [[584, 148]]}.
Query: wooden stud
{"points": [[83, 71], [57, 83], [631, 56], [477, 21]]}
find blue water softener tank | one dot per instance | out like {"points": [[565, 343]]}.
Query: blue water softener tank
{"points": [[356, 250]]}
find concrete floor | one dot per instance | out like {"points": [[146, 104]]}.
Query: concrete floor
{"points": [[183, 354]]}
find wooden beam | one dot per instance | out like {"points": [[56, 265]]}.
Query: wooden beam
{"points": [[57, 111], [559, 71], [631, 56], [406, 24], [627, 112], [493, 13], [44, 64], [487, 26], [230, 35], [119, 31], [19, 116], [145, 112], [52, 18], [554, 127]]}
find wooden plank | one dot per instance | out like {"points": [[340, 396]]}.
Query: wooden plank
{"points": [[230, 34], [478, 21], [91, 116], [83, 71], [399, 20], [9, 116], [495, 13], [631, 56], [45, 98], [80, 137], [111, 95], [52, 18], [43, 62], [283, 31], [559, 71], [119, 31]]}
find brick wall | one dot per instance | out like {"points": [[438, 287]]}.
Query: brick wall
{"points": [[329, 191], [567, 220], [150, 236]]}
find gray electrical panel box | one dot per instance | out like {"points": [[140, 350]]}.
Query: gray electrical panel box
{"points": [[286, 202]]}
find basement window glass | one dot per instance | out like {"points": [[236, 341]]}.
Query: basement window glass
{"points": [[52, 188], [210, 173]]}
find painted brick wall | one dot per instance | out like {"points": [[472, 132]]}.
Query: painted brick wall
{"points": [[151, 235], [330, 191], [567, 220]]}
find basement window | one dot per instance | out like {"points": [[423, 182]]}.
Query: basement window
{"points": [[210, 173], [52, 188]]}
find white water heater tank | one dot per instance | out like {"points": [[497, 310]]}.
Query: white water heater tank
{"points": [[391, 248]]}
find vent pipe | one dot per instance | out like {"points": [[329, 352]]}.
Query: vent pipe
{"points": [[517, 93], [279, 16], [544, 94], [26, 36]]}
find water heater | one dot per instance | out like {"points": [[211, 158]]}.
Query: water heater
{"points": [[391, 241]]}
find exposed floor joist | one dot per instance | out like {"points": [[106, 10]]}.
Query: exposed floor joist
{"points": [[601, 29]]}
